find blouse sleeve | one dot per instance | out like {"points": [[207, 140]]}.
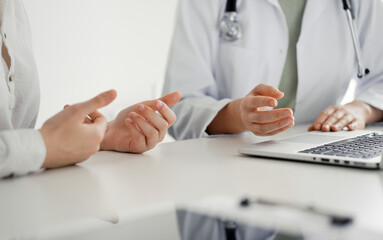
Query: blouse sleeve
{"points": [[21, 151]]}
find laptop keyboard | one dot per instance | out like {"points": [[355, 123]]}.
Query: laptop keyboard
{"points": [[364, 146]]}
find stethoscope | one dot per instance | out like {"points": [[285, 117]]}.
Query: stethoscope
{"points": [[231, 30]]}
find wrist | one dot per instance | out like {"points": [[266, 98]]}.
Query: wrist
{"points": [[106, 144], [49, 155], [361, 109], [228, 120], [235, 111]]}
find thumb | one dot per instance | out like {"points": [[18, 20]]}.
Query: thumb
{"points": [[99, 122], [97, 102], [267, 90], [171, 98]]}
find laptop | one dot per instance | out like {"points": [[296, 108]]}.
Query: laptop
{"points": [[362, 149]]}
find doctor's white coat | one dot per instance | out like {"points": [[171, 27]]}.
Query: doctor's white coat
{"points": [[210, 72]]}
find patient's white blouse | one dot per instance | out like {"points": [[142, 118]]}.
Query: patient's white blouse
{"points": [[22, 149]]}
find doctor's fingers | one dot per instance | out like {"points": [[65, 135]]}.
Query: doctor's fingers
{"points": [[154, 119], [266, 129], [252, 103], [323, 117], [311, 128], [270, 116], [279, 130], [343, 122], [267, 90], [356, 125], [332, 119], [150, 133]]}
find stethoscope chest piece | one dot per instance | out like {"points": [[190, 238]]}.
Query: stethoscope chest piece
{"points": [[230, 27]]}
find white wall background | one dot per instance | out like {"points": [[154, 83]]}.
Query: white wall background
{"points": [[84, 47]]}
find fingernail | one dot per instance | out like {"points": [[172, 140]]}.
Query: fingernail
{"points": [[326, 126], [159, 103], [133, 115], [129, 120], [336, 126], [141, 108]]}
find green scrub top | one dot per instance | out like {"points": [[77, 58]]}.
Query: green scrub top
{"points": [[293, 11]]}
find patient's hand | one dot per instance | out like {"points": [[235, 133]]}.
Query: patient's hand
{"points": [[69, 139], [139, 128]]}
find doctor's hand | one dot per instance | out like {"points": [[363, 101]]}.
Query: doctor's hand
{"points": [[249, 114], [140, 128], [354, 116], [265, 122], [68, 138]]}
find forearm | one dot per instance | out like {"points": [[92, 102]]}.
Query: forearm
{"points": [[228, 120], [369, 113]]}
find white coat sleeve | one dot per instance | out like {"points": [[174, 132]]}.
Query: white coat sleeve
{"points": [[21, 151], [190, 67], [370, 27]]}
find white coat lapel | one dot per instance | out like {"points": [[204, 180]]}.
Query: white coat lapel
{"points": [[313, 11], [275, 3]]}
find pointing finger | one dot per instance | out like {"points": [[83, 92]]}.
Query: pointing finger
{"points": [[95, 103]]}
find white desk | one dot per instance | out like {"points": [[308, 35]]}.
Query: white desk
{"points": [[125, 188]]}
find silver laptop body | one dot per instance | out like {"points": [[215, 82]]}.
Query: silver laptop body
{"points": [[363, 149]]}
